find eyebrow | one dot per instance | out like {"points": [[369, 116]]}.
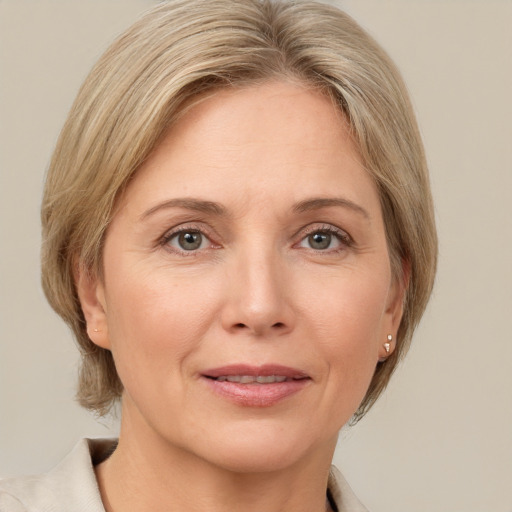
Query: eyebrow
{"points": [[197, 205], [210, 207], [325, 202]]}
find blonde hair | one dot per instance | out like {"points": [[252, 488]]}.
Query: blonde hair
{"points": [[183, 48]]}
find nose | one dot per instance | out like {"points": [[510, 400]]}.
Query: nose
{"points": [[259, 296]]}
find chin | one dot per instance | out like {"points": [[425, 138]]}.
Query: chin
{"points": [[245, 459], [265, 450]]}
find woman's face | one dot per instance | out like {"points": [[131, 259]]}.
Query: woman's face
{"points": [[247, 290]]}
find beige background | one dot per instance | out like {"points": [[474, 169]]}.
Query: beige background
{"points": [[441, 437]]}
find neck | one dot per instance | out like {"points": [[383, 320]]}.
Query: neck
{"points": [[156, 475]]}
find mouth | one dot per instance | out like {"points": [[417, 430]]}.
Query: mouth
{"points": [[255, 386], [250, 379], [247, 374]]}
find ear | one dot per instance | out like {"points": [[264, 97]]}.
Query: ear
{"points": [[91, 294], [395, 309]]}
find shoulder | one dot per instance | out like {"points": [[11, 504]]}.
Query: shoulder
{"points": [[9, 503], [71, 485], [342, 494]]}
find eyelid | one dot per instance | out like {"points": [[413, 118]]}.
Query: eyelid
{"points": [[341, 234], [209, 234]]}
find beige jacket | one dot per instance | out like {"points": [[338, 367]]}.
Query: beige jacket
{"points": [[71, 486]]}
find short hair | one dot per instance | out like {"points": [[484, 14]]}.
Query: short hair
{"points": [[182, 49]]}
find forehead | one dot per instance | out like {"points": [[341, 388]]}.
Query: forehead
{"points": [[276, 140], [290, 111]]}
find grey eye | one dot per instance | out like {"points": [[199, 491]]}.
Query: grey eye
{"points": [[320, 240], [188, 240]]}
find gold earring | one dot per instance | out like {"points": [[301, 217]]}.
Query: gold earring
{"points": [[96, 330]]}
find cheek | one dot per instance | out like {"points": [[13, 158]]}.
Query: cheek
{"points": [[350, 324], [351, 306], [154, 322]]}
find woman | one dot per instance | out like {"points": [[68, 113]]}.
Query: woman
{"points": [[238, 227]]}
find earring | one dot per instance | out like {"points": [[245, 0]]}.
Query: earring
{"points": [[387, 345], [95, 330]]}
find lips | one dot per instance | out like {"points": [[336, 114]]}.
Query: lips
{"points": [[250, 379], [255, 386], [268, 370]]}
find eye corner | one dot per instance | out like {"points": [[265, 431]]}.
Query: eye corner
{"points": [[188, 240], [330, 239]]}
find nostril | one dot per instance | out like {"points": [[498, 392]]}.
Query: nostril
{"points": [[259, 328]]}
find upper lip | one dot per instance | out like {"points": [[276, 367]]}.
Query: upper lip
{"points": [[255, 371]]}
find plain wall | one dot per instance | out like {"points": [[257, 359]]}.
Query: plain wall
{"points": [[440, 439]]}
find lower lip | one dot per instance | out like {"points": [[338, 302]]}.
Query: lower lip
{"points": [[256, 395]]}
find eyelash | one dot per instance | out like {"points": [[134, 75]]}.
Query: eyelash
{"points": [[175, 232], [343, 237]]}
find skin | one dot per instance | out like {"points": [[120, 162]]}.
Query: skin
{"points": [[258, 290]]}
